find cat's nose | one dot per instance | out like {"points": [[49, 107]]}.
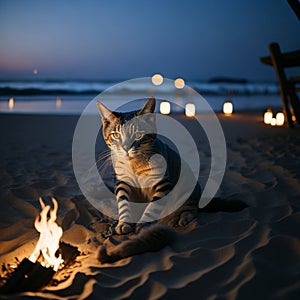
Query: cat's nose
{"points": [[126, 147]]}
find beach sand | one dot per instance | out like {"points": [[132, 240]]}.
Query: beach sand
{"points": [[247, 252]]}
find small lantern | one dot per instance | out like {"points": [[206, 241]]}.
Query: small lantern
{"points": [[179, 83], [157, 79], [165, 107], [279, 119], [11, 103], [268, 115], [227, 108], [273, 122], [190, 109]]}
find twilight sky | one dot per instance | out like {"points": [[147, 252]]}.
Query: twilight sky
{"points": [[117, 39]]}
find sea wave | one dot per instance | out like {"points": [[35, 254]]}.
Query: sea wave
{"points": [[57, 87], [52, 87]]}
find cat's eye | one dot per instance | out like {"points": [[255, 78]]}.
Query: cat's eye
{"points": [[138, 136], [115, 135]]}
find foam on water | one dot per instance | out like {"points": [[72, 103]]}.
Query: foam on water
{"points": [[40, 96]]}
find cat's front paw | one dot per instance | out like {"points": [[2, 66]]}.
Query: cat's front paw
{"points": [[123, 228]]}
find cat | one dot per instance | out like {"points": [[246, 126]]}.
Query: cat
{"points": [[146, 170]]}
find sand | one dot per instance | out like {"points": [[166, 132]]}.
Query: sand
{"points": [[251, 251]]}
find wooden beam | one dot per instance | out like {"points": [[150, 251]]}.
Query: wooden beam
{"points": [[288, 59]]}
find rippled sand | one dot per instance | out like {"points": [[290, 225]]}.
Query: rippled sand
{"points": [[248, 251]]}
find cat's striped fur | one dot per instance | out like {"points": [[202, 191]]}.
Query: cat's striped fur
{"points": [[146, 168]]}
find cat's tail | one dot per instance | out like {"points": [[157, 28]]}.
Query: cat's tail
{"points": [[150, 239]]}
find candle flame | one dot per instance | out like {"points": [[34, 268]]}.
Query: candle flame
{"points": [[50, 234]]}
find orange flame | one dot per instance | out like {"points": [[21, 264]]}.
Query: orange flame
{"points": [[50, 234]]}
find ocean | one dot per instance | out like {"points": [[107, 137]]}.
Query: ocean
{"points": [[72, 96]]}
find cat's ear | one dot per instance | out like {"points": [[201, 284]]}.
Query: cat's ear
{"points": [[149, 106], [105, 113]]}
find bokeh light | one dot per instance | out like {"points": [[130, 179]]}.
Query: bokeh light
{"points": [[190, 110], [165, 107], [11, 103], [268, 115], [279, 119], [273, 122], [157, 79], [179, 83], [58, 102], [228, 108]]}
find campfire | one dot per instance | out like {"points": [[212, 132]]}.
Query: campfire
{"points": [[50, 234], [49, 255]]}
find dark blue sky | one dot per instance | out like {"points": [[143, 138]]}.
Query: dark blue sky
{"points": [[134, 38]]}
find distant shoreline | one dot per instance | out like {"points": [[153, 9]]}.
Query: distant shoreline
{"points": [[214, 86]]}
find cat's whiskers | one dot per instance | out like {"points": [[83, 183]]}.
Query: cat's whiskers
{"points": [[104, 166], [105, 156], [104, 153]]}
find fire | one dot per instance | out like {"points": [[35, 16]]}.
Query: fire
{"points": [[50, 234]]}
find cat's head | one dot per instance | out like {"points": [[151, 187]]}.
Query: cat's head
{"points": [[130, 133]]}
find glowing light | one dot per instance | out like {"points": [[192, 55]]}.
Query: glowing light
{"points": [[157, 79], [58, 102], [11, 103], [227, 108], [268, 115], [190, 110], [179, 83], [35, 71], [165, 108], [50, 234], [279, 119], [273, 122]]}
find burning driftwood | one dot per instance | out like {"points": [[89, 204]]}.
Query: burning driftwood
{"points": [[49, 255]]}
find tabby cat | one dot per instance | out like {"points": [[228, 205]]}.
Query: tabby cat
{"points": [[146, 168]]}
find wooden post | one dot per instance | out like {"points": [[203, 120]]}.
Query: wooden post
{"points": [[283, 83], [294, 100]]}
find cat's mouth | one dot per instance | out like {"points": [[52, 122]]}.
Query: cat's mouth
{"points": [[131, 153]]}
